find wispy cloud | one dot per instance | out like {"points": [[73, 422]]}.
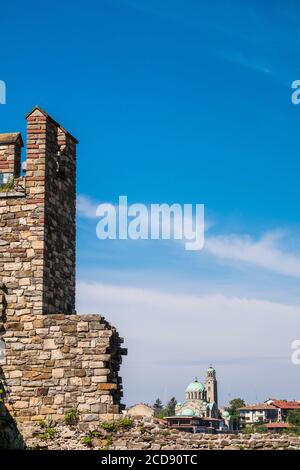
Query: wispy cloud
{"points": [[161, 326], [260, 63], [246, 25], [264, 252], [86, 207], [154, 311]]}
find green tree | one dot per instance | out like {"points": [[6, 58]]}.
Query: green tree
{"points": [[293, 417], [234, 406], [170, 407], [158, 407]]}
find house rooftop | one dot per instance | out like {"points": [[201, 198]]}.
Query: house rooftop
{"points": [[258, 406], [179, 417], [278, 425], [287, 405], [139, 404]]}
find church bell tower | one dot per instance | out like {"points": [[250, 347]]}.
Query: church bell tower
{"points": [[211, 385]]}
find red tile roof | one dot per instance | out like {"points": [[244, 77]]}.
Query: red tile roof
{"points": [[286, 405], [278, 425]]}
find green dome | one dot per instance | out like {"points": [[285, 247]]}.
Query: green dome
{"points": [[195, 387], [187, 412], [225, 414], [211, 369]]}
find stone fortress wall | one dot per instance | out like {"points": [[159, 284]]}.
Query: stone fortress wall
{"points": [[153, 435], [54, 359]]}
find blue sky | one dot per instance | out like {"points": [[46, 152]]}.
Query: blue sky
{"points": [[187, 102]]}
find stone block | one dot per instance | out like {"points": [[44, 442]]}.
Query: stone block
{"points": [[107, 386], [49, 344]]}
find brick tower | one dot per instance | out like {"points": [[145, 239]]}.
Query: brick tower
{"points": [[211, 386], [54, 359], [38, 218]]}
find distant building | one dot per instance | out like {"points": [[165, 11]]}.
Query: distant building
{"points": [[260, 412], [277, 427], [140, 410], [194, 424], [283, 406], [200, 400], [271, 411]]}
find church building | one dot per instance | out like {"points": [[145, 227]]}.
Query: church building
{"points": [[200, 400]]}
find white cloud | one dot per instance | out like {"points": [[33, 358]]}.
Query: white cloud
{"points": [[86, 208], [257, 64], [162, 328], [263, 253]]}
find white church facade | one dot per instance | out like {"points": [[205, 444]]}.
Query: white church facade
{"points": [[200, 400]]}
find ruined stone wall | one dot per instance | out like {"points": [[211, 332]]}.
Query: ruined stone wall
{"points": [[153, 435], [55, 363], [54, 360]]}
